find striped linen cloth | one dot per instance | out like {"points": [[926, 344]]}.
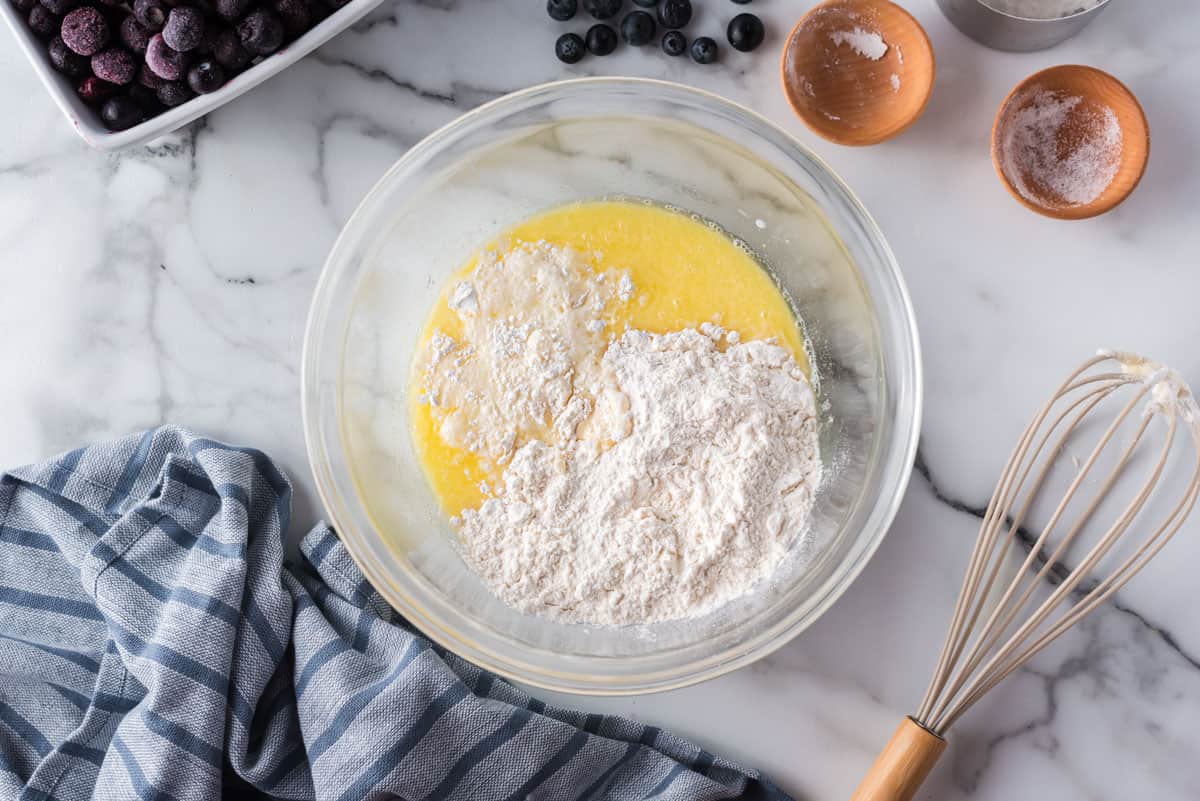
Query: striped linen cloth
{"points": [[153, 645]]}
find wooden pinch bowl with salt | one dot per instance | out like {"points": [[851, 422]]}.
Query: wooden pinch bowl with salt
{"points": [[858, 72], [1070, 142]]}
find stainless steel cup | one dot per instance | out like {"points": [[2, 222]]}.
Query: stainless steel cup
{"points": [[1003, 31]]}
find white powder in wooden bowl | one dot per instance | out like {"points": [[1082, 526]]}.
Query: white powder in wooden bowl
{"points": [[1057, 150]]}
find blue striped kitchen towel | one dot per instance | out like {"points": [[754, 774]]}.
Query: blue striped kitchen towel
{"points": [[153, 645]]}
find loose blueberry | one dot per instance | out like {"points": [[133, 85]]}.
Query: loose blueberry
{"points": [[66, 60], [115, 65], [184, 29], [601, 39], [231, 9], [261, 32], [745, 32], [206, 76], [151, 13], [602, 9], [92, 90], [167, 63], [42, 22], [229, 52], [569, 48], [295, 15], [121, 112], [674, 43], [675, 13], [134, 35], [638, 28], [562, 10], [173, 93], [704, 50], [85, 31], [59, 7]]}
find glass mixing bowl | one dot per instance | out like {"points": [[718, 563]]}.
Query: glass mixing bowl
{"points": [[557, 144]]}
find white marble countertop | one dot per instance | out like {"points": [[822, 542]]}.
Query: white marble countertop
{"points": [[171, 284]]}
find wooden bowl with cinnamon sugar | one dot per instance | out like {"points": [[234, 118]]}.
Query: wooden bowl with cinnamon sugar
{"points": [[1070, 142]]}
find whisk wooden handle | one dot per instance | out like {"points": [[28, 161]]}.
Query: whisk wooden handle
{"points": [[903, 764]]}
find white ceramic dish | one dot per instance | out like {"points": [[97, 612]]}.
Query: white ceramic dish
{"points": [[86, 121]]}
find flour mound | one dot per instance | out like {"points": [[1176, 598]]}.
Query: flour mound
{"points": [[707, 487]]}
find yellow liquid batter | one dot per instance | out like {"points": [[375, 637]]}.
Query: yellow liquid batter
{"points": [[685, 272]]}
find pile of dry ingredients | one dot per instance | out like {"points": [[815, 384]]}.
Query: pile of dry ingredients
{"points": [[1042, 9], [1056, 150], [647, 477]]}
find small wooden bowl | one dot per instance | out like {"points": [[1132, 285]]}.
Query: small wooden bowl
{"points": [[846, 95], [1097, 92]]}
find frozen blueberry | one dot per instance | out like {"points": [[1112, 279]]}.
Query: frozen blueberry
{"points": [[42, 22], [147, 78], [295, 15], [231, 9], [151, 13], [745, 32], [704, 50], [92, 90], [602, 9], [24, 6], [229, 52], [184, 29], [85, 31], [134, 35], [173, 93], [261, 32], [569, 48], [146, 98], [562, 10], [675, 13], [115, 65], [167, 63], [601, 39], [206, 76], [674, 43], [121, 112], [59, 7], [66, 60], [638, 28]]}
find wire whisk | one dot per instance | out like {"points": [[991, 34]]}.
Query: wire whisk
{"points": [[1133, 488]]}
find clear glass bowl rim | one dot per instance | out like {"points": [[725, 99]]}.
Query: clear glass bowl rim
{"points": [[895, 469]]}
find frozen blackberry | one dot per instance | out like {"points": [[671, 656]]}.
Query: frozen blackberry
{"points": [[173, 93], [295, 15], [66, 60], [42, 22], [151, 13], [121, 112], [229, 52], [134, 35], [674, 43], [261, 32], [206, 76], [602, 9], [115, 65], [675, 13], [93, 91], [601, 39], [638, 28], [184, 29], [569, 48], [562, 10], [59, 7], [704, 50], [167, 63], [745, 32], [85, 31]]}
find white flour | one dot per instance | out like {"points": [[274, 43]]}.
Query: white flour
{"points": [[868, 44], [683, 477]]}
